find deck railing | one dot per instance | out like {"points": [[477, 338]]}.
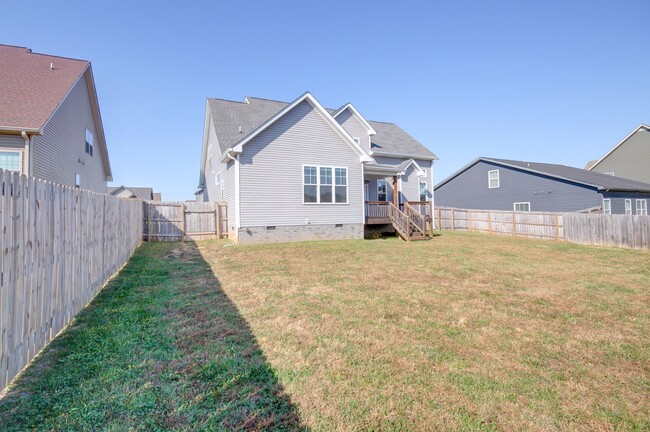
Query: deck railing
{"points": [[417, 219], [377, 212]]}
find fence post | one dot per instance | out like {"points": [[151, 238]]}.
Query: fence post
{"points": [[557, 227], [148, 221], [489, 221], [217, 219], [183, 227], [514, 224], [453, 222]]}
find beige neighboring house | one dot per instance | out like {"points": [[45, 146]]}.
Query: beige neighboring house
{"points": [[629, 159], [145, 193], [50, 124]]}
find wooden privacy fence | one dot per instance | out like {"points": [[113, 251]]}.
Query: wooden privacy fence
{"points": [[59, 247], [180, 221], [540, 225], [629, 231]]}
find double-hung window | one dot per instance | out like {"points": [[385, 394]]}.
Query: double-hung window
{"points": [[607, 206], [324, 184], [89, 142], [522, 206], [10, 160], [381, 190], [628, 206], [423, 191], [642, 207], [493, 179]]}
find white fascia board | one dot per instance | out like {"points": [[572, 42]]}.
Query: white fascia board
{"points": [[642, 126], [204, 147], [363, 156], [359, 117]]}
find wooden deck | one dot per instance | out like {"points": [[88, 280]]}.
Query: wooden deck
{"points": [[411, 222]]}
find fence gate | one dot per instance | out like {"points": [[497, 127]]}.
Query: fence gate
{"points": [[177, 221]]}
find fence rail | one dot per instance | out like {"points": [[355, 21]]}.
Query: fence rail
{"points": [[592, 229], [180, 221], [59, 247]]}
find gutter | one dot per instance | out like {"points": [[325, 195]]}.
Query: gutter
{"points": [[27, 153], [230, 153]]}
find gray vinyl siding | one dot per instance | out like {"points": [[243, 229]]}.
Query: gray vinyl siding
{"points": [[212, 167], [271, 172], [410, 181], [618, 200], [14, 143], [470, 190], [59, 153], [372, 189], [354, 127], [631, 160]]}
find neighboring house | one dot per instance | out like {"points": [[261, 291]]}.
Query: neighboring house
{"points": [[298, 171], [50, 125], [144, 193], [629, 159], [500, 184]]}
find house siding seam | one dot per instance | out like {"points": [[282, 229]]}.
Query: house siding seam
{"points": [[271, 173], [59, 153], [354, 127], [631, 160], [470, 190], [280, 234]]}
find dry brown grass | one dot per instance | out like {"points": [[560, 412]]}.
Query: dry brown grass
{"points": [[466, 331]]}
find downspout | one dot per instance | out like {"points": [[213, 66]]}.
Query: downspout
{"points": [[27, 153]]}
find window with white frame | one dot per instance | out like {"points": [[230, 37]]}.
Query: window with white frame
{"points": [[642, 207], [77, 180], [423, 191], [628, 206], [521, 206], [217, 179], [382, 194], [607, 206], [324, 184], [89, 142], [10, 160], [493, 179]]}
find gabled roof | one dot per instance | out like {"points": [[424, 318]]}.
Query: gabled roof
{"points": [[145, 193], [234, 121], [306, 97], [388, 169], [602, 182], [348, 106], [591, 166], [33, 85]]}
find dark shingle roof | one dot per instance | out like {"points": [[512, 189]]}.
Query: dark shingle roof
{"points": [[145, 193], [590, 178], [229, 116]]}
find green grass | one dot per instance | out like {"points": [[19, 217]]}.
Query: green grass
{"points": [[160, 348], [464, 332]]}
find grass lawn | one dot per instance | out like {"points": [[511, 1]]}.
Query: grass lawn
{"points": [[466, 331]]}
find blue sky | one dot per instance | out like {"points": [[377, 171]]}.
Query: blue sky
{"points": [[552, 81]]}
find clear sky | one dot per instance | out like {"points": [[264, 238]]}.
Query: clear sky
{"points": [[545, 81]]}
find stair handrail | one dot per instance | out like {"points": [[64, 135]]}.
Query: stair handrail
{"points": [[417, 219], [399, 221]]}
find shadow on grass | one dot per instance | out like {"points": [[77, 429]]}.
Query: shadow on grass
{"points": [[160, 348]]}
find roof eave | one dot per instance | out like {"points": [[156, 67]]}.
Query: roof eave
{"points": [[432, 157]]}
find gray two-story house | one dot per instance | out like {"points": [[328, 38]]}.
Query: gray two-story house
{"points": [[501, 184], [299, 171], [629, 159], [50, 124]]}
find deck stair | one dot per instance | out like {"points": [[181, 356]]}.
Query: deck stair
{"points": [[410, 224]]}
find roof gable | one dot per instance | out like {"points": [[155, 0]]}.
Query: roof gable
{"points": [[306, 97], [561, 172], [33, 86], [591, 166], [349, 107]]}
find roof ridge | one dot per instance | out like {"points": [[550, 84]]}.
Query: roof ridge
{"points": [[226, 100], [266, 99], [384, 122], [29, 51]]}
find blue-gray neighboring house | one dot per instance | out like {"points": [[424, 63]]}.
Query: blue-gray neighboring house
{"points": [[501, 184]]}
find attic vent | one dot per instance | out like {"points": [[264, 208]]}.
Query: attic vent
{"points": [[240, 129], [51, 66]]}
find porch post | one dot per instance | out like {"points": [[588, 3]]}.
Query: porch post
{"points": [[395, 192]]}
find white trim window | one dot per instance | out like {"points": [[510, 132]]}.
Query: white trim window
{"points": [[521, 206], [424, 192], [493, 179], [10, 160], [382, 190], [642, 207], [324, 185], [628, 206], [607, 206], [219, 182], [89, 142]]}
